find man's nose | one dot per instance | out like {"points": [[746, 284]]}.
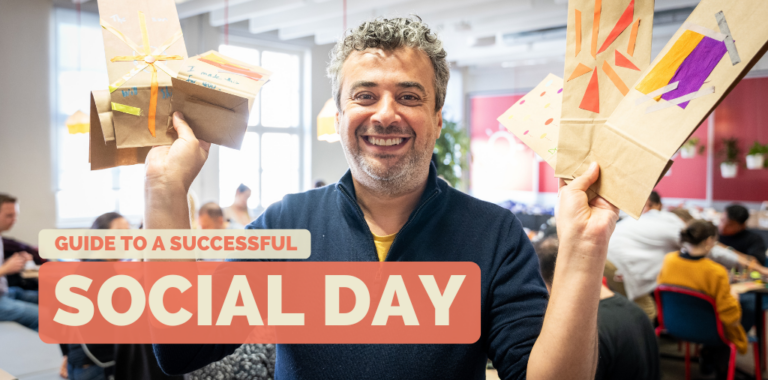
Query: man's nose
{"points": [[386, 112]]}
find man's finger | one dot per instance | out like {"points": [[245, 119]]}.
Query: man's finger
{"points": [[205, 145], [584, 181], [182, 128]]}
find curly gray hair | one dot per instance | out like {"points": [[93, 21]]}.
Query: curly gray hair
{"points": [[391, 34]]}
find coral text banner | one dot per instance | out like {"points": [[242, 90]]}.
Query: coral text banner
{"points": [[259, 302]]}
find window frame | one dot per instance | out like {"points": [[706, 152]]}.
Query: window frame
{"points": [[302, 130], [60, 15]]}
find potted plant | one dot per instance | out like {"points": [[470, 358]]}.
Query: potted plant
{"points": [[756, 156], [691, 147], [451, 149], [731, 152]]}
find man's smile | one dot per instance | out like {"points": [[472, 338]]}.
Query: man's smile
{"points": [[385, 143]]}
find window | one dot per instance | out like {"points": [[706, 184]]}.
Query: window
{"points": [[78, 68], [269, 161]]}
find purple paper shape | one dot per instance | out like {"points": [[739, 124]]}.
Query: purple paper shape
{"points": [[696, 68]]}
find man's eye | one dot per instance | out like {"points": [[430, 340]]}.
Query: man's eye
{"points": [[409, 98], [364, 97]]}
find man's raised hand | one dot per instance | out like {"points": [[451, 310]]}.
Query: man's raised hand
{"points": [[584, 222], [176, 165]]}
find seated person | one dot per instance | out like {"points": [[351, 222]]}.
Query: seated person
{"points": [[627, 343], [734, 233], [690, 268], [724, 255], [636, 251], [16, 304], [237, 214], [95, 361], [210, 217]]}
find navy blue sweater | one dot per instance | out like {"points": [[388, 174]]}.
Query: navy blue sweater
{"points": [[447, 225]]}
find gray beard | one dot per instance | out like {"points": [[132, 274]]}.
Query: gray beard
{"points": [[402, 178]]}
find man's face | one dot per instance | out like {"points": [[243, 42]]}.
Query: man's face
{"points": [[119, 224], [388, 124], [244, 195], [728, 227], [206, 222], [651, 206], [8, 212]]}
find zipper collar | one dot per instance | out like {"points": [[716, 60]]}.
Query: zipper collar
{"points": [[347, 188]]}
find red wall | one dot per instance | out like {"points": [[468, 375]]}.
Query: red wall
{"points": [[744, 115], [688, 176], [547, 181], [501, 166]]}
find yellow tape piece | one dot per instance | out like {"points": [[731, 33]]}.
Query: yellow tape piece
{"points": [[124, 78], [168, 43], [126, 109], [120, 35], [144, 33]]}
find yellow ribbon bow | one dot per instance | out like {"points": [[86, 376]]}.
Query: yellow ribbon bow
{"points": [[148, 59]]}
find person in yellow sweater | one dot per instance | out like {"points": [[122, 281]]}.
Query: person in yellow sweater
{"points": [[690, 268]]}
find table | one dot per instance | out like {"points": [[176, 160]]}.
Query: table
{"points": [[29, 274], [760, 328], [758, 289]]}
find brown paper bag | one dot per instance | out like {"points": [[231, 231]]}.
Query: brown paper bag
{"points": [[692, 74], [215, 93], [599, 68], [142, 41], [535, 119], [103, 154]]}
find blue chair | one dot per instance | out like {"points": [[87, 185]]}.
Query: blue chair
{"points": [[692, 317]]}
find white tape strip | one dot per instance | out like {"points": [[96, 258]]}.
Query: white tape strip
{"points": [[705, 31], [729, 44], [659, 92], [682, 99]]}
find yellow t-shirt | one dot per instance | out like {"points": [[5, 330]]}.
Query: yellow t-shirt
{"points": [[382, 244]]}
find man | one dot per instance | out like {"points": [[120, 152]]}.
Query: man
{"points": [[637, 249], [628, 348], [210, 217], [16, 304], [733, 233], [389, 79]]}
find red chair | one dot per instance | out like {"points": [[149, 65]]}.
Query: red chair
{"points": [[692, 317]]}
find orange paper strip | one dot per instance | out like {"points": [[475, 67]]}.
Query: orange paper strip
{"points": [[578, 32], [152, 102], [661, 74], [615, 78], [233, 68], [591, 99], [624, 21], [633, 38], [623, 61], [580, 70], [596, 27]]}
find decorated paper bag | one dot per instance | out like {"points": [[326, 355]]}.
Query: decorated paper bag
{"points": [[215, 93], [144, 50], [535, 119], [707, 56], [608, 46], [103, 152]]}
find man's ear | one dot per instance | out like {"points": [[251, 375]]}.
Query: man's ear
{"points": [[439, 122], [336, 122]]}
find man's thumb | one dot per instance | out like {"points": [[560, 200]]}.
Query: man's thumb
{"points": [[584, 181]]}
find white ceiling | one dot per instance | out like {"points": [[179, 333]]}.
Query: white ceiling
{"points": [[475, 32]]}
